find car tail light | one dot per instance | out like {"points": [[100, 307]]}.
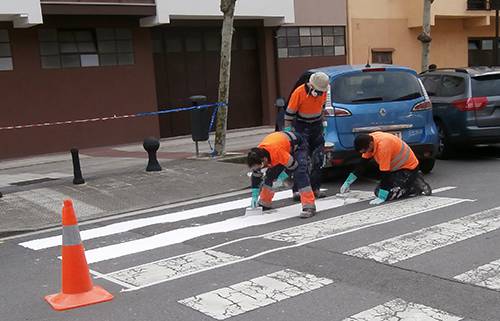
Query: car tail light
{"points": [[373, 69], [424, 105], [471, 104]]}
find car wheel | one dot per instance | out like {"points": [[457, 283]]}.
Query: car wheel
{"points": [[445, 149], [426, 165]]}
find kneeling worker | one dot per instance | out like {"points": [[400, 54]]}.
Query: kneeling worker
{"points": [[397, 163], [282, 154]]}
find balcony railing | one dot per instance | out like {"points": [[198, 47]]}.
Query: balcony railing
{"points": [[478, 4]]}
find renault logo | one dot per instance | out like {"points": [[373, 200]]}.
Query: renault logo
{"points": [[382, 112]]}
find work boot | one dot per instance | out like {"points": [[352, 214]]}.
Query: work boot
{"points": [[422, 186], [319, 194], [307, 213], [296, 197]]}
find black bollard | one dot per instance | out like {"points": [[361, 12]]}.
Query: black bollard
{"points": [[151, 145], [77, 171]]}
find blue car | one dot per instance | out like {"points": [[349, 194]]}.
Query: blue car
{"points": [[364, 99]]}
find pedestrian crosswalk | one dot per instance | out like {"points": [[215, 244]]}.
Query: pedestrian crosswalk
{"points": [[249, 294]]}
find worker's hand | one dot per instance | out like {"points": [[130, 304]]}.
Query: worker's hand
{"points": [[376, 201], [287, 129], [255, 197], [347, 184], [381, 197], [282, 180]]}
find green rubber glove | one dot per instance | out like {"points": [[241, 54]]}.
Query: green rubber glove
{"points": [[381, 197], [347, 184], [280, 181], [255, 197], [287, 129]]}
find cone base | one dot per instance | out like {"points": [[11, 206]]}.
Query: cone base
{"points": [[63, 301]]}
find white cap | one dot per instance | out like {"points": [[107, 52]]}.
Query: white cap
{"points": [[319, 81]]}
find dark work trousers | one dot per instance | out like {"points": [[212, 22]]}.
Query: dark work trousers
{"points": [[399, 184], [313, 134]]}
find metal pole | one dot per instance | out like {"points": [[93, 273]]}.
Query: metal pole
{"points": [[495, 48]]}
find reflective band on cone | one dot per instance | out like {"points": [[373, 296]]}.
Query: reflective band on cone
{"points": [[77, 288]]}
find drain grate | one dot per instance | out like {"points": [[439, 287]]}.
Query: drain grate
{"points": [[34, 181]]}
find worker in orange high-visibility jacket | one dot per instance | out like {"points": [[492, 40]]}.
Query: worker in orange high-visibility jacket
{"points": [[283, 154], [397, 164], [304, 115]]}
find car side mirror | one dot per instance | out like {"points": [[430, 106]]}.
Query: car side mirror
{"points": [[280, 102]]}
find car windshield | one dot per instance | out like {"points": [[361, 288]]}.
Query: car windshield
{"points": [[484, 86], [376, 86]]}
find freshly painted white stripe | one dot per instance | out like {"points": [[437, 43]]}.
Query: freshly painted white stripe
{"points": [[236, 223], [487, 276], [415, 243], [129, 225], [362, 222], [369, 216], [401, 310], [443, 189], [132, 213], [171, 268], [253, 294]]}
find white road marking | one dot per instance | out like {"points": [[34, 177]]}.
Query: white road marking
{"points": [[415, 243], [487, 275], [148, 276], [246, 296], [129, 225], [133, 213], [171, 268], [378, 214], [443, 189], [401, 310], [187, 233]]}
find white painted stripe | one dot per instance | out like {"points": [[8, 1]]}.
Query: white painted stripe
{"points": [[255, 293], [129, 225], [401, 310], [487, 276], [385, 213], [154, 278], [415, 243], [236, 223], [172, 268], [132, 213], [443, 189]]}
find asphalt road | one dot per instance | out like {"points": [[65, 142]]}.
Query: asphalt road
{"points": [[423, 258]]}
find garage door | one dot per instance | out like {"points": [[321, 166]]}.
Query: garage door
{"points": [[187, 63]]}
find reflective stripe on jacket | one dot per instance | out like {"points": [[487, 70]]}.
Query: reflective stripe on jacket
{"points": [[391, 153], [305, 107], [280, 146]]}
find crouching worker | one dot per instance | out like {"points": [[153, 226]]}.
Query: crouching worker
{"points": [[283, 155], [397, 164]]}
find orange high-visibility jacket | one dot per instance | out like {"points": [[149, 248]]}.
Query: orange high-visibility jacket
{"points": [[306, 107], [279, 147], [391, 153]]}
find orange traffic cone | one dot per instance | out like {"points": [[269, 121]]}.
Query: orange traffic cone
{"points": [[77, 288]]}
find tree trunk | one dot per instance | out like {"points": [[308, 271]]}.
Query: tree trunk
{"points": [[425, 36], [227, 8]]}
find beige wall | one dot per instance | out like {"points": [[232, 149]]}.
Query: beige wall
{"points": [[373, 26], [320, 12]]}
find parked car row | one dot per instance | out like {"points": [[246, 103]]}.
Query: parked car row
{"points": [[433, 112]]}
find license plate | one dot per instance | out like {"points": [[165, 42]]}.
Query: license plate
{"points": [[397, 134]]}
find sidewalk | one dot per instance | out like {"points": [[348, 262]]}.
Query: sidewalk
{"points": [[116, 180]]}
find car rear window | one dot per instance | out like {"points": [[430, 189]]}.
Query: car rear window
{"points": [[375, 86], [483, 86]]}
